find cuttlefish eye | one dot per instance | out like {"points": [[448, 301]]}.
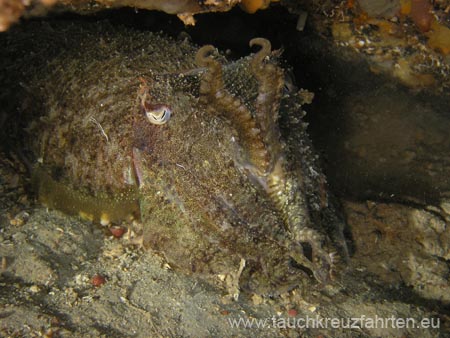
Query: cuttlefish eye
{"points": [[157, 113]]}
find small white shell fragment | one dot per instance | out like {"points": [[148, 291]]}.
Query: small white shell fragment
{"points": [[301, 21], [104, 219]]}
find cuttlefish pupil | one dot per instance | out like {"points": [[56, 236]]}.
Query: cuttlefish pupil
{"points": [[157, 113]]}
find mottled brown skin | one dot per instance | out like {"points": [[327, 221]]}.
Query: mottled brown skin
{"points": [[221, 189]]}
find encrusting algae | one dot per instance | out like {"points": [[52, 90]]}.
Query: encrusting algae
{"points": [[211, 155], [12, 10]]}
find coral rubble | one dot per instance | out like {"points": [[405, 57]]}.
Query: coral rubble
{"points": [[407, 39]]}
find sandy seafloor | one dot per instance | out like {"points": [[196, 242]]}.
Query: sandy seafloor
{"points": [[49, 261]]}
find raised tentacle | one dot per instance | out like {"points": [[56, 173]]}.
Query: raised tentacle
{"points": [[259, 137], [212, 80], [270, 84], [214, 94], [285, 185]]}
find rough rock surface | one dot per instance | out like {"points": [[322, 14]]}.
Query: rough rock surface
{"points": [[12, 10]]}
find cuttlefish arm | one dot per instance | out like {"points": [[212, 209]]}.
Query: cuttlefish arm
{"points": [[259, 138]]}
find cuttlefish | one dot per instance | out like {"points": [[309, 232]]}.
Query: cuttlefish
{"points": [[210, 155]]}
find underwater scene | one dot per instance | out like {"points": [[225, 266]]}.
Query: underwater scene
{"points": [[225, 168]]}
